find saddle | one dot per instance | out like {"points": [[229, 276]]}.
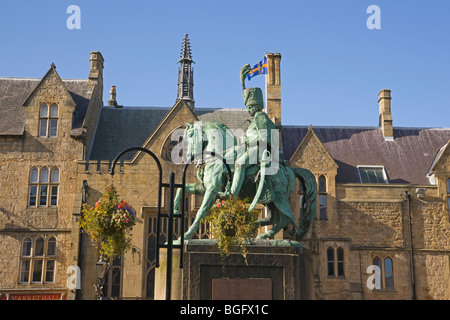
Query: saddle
{"points": [[253, 173]]}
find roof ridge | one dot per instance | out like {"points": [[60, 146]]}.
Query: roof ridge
{"points": [[363, 127], [19, 78], [135, 108], [37, 79], [220, 108]]}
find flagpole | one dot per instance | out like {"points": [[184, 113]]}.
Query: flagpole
{"points": [[265, 84]]}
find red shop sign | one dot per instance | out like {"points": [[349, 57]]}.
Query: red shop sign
{"points": [[45, 296]]}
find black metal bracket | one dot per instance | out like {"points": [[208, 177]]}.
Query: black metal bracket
{"points": [[170, 215]]}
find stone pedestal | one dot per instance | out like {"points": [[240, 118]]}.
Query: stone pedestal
{"points": [[273, 272], [160, 276]]}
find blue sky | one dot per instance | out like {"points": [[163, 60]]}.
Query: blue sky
{"points": [[333, 66]]}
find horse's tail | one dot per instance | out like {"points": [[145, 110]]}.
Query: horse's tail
{"points": [[309, 187]]}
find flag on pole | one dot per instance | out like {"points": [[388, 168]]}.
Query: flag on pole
{"points": [[259, 68]]}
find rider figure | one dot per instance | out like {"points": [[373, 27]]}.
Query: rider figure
{"points": [[257, 137]]}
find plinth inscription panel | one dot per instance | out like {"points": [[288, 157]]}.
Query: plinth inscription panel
{"points": [[241, 289]]}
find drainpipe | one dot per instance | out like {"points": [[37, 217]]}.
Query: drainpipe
{"points": [[80, 238], [411, 248]]}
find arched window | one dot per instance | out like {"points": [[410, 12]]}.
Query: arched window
{"points": [[37, 260], [48, 121], [112, 286], [335, 262], [386, 268], [54, 187], [330, 263], [43, 187], [322, 198], [27, 243], [51, 247], [340, 262], [34, 179], [388, 274], [172, 149], [377, 262]]}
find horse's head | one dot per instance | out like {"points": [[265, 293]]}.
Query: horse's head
{"points": [[207, 136], [192, 138]]}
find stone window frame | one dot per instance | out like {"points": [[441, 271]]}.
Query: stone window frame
{"points": [[37, 262], [168, 145], [382, 266], [322, 197], [337, 262], [50, 120], [113, 285], [38, 184]]}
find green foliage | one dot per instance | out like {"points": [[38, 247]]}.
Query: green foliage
{"points": [[108, 223], [232, 225]]}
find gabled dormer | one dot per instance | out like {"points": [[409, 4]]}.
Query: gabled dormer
{"points": [[49, 108], [311, 154], [439, 172]]}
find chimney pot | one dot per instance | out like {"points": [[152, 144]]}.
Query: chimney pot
{"points": [[112, 100]]}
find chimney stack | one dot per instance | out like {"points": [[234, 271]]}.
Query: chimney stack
{"points": [[273, 92], [385, 123], [273, 88], [96, 70]]}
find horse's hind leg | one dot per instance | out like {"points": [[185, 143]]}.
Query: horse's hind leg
{"points": [[278, 225], [269, 219]]}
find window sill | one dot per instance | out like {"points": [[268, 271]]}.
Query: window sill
{"points": [[41, 207], [336, 278], [27, 285], [389, 290]]}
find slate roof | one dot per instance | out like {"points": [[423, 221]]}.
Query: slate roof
{"points": [[407, 159], [81, 93], [121, 128], [14, 92], [233, 118]]}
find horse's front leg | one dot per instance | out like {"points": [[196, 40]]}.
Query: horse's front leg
{"points": [[193, 188], [208, 201]]}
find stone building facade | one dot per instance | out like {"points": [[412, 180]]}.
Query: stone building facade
{"points": [[43, 133], [383, 191]]}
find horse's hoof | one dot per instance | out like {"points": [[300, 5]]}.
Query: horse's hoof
{"points": [[262, 221], [187, 236], [224, 195]]}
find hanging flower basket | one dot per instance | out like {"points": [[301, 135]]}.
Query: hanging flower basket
{"points": [[108, 223], [232, 225]]}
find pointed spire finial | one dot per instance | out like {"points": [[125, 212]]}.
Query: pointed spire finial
{"points": [[186, 53], [186, 74]]}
